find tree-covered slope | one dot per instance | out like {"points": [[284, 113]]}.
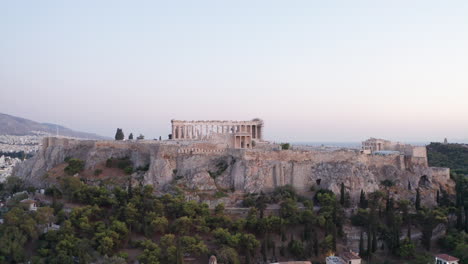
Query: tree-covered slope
{"points": [[453, 156]]}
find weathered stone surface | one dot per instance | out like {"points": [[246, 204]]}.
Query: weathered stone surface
{"points": [[201, 181], [248, 170]]}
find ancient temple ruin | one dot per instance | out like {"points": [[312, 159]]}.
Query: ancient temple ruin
{"points": [[237, 134]]}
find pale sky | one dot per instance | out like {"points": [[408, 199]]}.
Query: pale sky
{"points": [[312, 70]]}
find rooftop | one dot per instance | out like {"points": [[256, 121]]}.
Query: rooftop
{"points": [[447, 257]]}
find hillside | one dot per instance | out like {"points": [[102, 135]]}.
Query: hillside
{"points": [[12, 125], [453, 156]]}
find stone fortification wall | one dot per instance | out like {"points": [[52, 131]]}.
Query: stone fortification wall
{"points": [[205, 166]]}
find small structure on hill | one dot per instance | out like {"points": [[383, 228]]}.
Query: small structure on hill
{"points": [[344, 258], [236, 134], [30, 204], [350, 258], [385, 147], [445, 259], [213, 260]]}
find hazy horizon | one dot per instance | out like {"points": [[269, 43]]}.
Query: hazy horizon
{"points": [[334, 71]]}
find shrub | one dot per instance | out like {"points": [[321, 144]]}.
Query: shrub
{"points": [[97, 172], [387, 183], [143, 168], [128, 170], [220, 194], [124, 163], [53, 191], [285, 146], [74, 166]]}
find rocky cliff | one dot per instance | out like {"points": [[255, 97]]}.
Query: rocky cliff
{"points": [[253, 170]]}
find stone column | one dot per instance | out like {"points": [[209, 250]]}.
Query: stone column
{"points": [[173, 131]]}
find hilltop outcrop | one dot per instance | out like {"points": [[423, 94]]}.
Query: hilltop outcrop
{"points": [[246, 170]]}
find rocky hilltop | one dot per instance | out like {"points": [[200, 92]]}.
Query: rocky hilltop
{"points": [[197, 168]]}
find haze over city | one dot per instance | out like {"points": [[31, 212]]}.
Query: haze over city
{"points": [[313, 71]]}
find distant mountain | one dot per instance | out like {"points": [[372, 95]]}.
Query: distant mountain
{"points": [[12, 125]]}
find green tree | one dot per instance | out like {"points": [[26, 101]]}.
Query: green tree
{"points": [[428, 220], [362, 200], [250, 244], [406, 249], [159, 224], [289, 211], [461, 251], [74, 166], [296, 248], [151, 252], [228, 255], [418, 200], [361, 245], [130, 137], [119, 135], [342, 194]]}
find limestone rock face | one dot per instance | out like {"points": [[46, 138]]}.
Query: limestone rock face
{"points": [[201, 181], [248, 170]]}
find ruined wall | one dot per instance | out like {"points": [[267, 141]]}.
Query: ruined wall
{"points": [[244, 170]]}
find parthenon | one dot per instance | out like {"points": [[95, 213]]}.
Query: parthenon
{"points": [[239, 134]]}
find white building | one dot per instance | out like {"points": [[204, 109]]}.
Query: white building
{"points": [[445, 259], [31, 204]]}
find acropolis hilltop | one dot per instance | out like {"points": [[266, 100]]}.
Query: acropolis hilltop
{"points": [[205, 155]]}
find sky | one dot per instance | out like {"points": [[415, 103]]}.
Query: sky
{"points": [[312, 70]]}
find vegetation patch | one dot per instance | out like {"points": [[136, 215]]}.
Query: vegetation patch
{"points": [[285, 146], [74, 166], [453, 156], [121, 163], [220, 194], [221, 167], [387, 183]]}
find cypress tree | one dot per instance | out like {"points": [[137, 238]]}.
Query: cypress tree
{"points": [[130, 137], [316, 244], [369, 242], [119, 135], [342, 194], [334, 233], [409, 232], [409, 185], [460, 218], [361, 245], [438, 197], [418, 200], [179, 256], [130, 188], [374, 241], [466, 219], [362, 200]]}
